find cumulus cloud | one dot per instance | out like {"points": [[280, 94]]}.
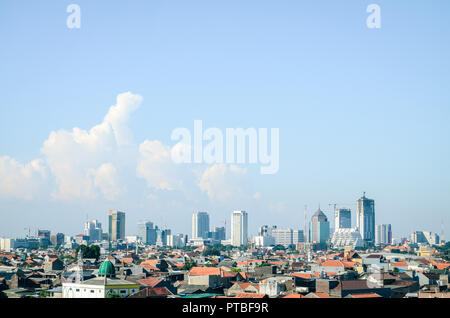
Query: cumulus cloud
{"points": [[157, 168], [80, 160], [21, 180], [222, 182], [98, 162]]}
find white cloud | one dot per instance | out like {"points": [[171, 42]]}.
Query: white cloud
{"points": [[80, 160], [21, 181], [222, 182], [106, 179], [157, 168]]}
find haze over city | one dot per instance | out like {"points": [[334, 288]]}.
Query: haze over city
{"points": [[86, 114]]}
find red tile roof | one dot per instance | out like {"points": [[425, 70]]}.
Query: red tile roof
{"points": [[365, 295], [205, 271], [332, 263], [293, 295], [250, 295], [150, 281]]}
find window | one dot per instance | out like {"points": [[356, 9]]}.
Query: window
{"points": [[92, 290]]}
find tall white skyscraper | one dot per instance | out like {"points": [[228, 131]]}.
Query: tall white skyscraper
{"points": [[342, 219], [200, 225], [365, 219], [239, 228]]}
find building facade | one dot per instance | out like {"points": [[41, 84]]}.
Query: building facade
{"points": [[342, 219], [200, 225], [239, 228], [383, 234], [116, 225], [365, 219], [319, 229]]}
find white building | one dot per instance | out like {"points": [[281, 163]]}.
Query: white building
{"points": [[239, 228], [200, 225], [93, 229], [383, 234], [177, 240], [346, 237], [432, 238], [287, 237], [263, 241], [103, 286], [342, 219]]}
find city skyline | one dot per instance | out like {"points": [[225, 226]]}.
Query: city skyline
{"points": [[87, 114]]}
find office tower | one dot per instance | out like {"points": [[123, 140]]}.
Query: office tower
{"points": [[265, 230], [161, 236], [116, 225], [93, 229], [57, 239], [365, 219], [431, 238], [239, 228], [343, 219], [200, 225], [43, 234], [383, 234], [219, 234], [146, 232], [319, 229], [287, 237]]}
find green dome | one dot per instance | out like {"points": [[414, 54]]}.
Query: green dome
{"points": [[106, 269]]}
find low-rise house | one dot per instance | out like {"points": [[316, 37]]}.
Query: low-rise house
{"points": [[155, 292], [346, 287], [208, 276], [241, 287]]}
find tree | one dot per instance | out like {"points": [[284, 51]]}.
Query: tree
{"points": [[278, 248], [92, 251], [189, 264], [211, 251]]}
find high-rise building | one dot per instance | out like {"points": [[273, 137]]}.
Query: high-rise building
{"points": [[200, 225], [116, 225], [146, 232], [93, 229], [219, 234], [57, 239], [265, 230], [319, 229], [239, 228], [365, 219], [342, 219], [432, 238], [287, 237], [383, 234]]}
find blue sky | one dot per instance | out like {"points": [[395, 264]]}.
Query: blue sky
{"points": [[358, 109]]}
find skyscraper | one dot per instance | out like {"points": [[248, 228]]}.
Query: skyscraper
{"points": [[365, 219], [319, 229], [239, 228], [93, 229], [383, 234], [146, 232], [200, 225], [116, 225], [343, 219]]}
